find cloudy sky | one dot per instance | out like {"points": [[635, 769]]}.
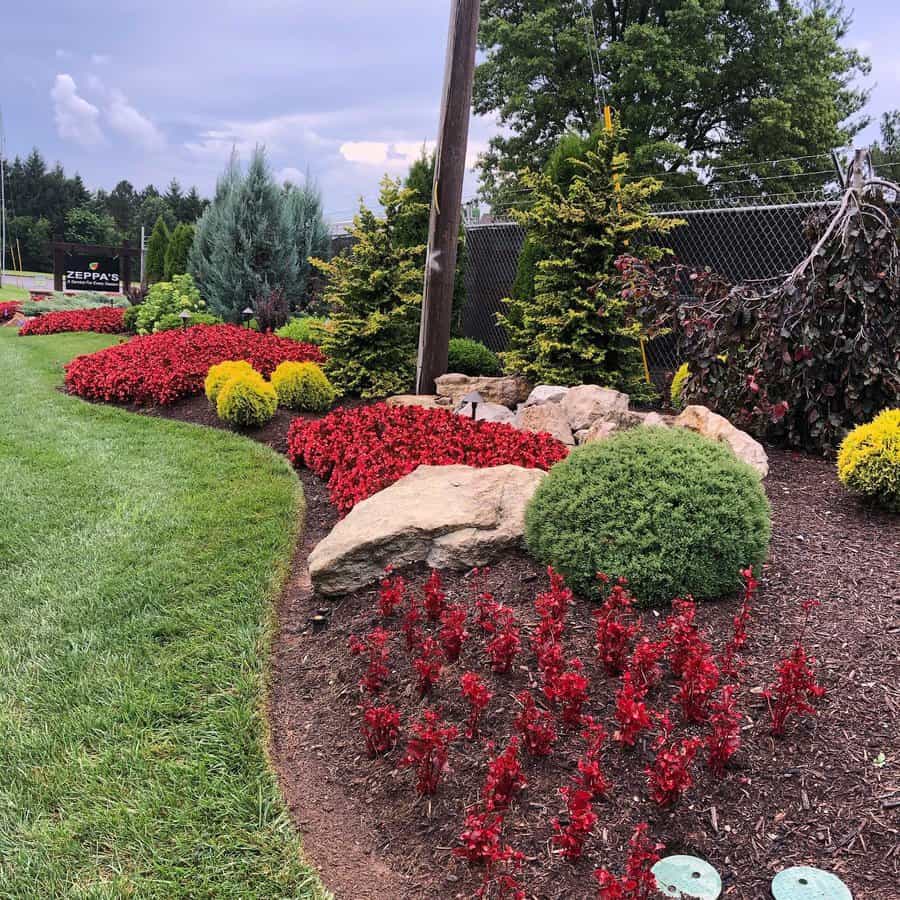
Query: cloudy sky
{"points": [[347, 89]]}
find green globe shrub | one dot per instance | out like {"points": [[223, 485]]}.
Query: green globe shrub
{"points": [[468, 357], [303, 386], [671, 511]]}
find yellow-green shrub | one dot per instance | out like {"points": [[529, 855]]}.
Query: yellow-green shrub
{"points": [[303, 386], [247, 399], [869, 459], [222, 372], [678, 379]]}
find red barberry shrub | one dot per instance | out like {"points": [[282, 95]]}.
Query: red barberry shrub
{"points": [[102, 320], [391, 592], [581, 820], [453, 632], [644, 664], [381, 727], [434, 597], [376, 649], [535, 725], [796, 686], [614, 630], [730, 659], [428, 665], [478, 695], [504, 778], [724, 739], [682, 632], [569, 690], [632, 713], [427, 750], [638, 882], [162, 368], [362, 450], [590, 771], [505, 645], [699, 679], [669, 777]]}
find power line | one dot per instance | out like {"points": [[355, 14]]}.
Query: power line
{"points": [[593, 45]]}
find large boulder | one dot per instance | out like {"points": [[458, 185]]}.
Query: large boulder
{"points": [[585, 404], [452, 517], [547, 417], [487, 412], [704, 421], [428, 401], [546, 393], [508, 390], [599, 431]]}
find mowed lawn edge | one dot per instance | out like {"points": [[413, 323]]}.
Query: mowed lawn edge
{"points": [[139, 563]]}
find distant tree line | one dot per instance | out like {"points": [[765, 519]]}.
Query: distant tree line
{"points": [[43, 202]]}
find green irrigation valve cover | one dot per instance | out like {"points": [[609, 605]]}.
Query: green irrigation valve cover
{"points": [[805, 883], [687, 877]]}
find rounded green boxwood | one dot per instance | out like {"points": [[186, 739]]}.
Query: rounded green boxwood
{"points": [[468, 357], [671, 511]]}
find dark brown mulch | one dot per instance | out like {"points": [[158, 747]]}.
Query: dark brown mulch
{"points": [[820, 796]]}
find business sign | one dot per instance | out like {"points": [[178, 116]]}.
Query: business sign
{"points": [[92, 273]]}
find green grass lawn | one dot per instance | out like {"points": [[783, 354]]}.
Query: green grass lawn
{"points": [[138, 562], [9, 293]]}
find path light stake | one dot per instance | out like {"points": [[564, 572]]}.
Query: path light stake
{"points": [[474, 398], [248, 315], [184, 315]]}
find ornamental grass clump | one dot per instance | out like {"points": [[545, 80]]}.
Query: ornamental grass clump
{"points": [[247, 401], [672, 512], [869, 460], [303, 386]]}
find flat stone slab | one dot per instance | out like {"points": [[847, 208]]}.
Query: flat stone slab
{"points": [[451, 517]]}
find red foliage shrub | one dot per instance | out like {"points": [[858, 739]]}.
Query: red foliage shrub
{"points": [[725, 738], [478, 695], [435, 598], [103, 320], [638, 882], [614, 632], [411, 626], [682, 631], [554, 604], [8, 309], [569, 689], [428, 750], [644, 663], [504, 778], [730, 660], [669, 777], [381, 727], [536, 726], [589, 765], [631, 711], [699, 678], [162, 368], [582, 819], [363, 450], [453, 632], [391, 592], [796, 685], [375, 646], [429, 665], [506, 644]]}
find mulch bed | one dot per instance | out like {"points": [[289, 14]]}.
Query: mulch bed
{"points": [[817, 797]]}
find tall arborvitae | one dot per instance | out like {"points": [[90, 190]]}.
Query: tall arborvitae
{"points": [[178, 249], [155, 263]]}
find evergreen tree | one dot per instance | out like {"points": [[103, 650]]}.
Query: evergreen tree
{"points": [[175, 198], [122, 204], [84, 226], [155, 261], [178, 249], [576, 329], [374, 292], [192, 206], [310, 233]]}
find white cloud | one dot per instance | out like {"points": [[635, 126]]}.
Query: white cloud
{"points": [[100, 59], [125, 119], [76, 119], [398, 155]]}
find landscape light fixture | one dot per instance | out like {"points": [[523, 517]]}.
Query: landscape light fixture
{"points": [[184, 315], [248, 315], [474, 398]]}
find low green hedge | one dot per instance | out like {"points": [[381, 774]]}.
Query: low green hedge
{"points": [[468, 357]]}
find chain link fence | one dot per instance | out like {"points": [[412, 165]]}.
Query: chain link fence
{"points": [[741, 239]]}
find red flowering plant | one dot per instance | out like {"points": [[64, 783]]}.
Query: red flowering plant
{"points": [[632, 713], [428, 665], [554, 604], [162, 368], [670, 777], [375, 648], [8, 309], [699, 679], [411, 627], [569, 690], [644, 664], [102, 320], [590, 771], [391, 592], [478, 695], [535, 725], [730, 659], [482, 841], [427, 750], [505, 645], [381, 728], [364, 449], [504, 778], [614, 630], [453, 632], [724, 740], [638, 882], [581, 817], [796, 686], [682, 632], [434, 597]]}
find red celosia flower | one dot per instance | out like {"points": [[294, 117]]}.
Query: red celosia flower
{"points": [[434, 597], [638, 882], [381, 726], [504, 778], [391, 592], [581, 821], [364, 449], [429, 665], [428, 749], [632, 713], [614, 632], [453, 632], [103, 320], [162, 368], [536, 726], [725, 738], [376, 648], [478, 695]]}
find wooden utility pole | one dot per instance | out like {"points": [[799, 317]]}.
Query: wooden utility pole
{"points": [[446, 203]]}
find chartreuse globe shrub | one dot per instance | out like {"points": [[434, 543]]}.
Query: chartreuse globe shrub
{"points": [[869, 460], [469, 357], [671, 511], [303, 386], [221, 373], [247, 400], [306, 329]]}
